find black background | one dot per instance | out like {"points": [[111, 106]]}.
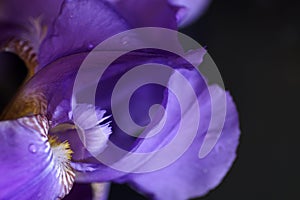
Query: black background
{"points": [[256, 46]]}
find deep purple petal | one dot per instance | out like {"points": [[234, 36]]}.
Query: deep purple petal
{"points": [[145, 13], [27, 169], [80, 26]]}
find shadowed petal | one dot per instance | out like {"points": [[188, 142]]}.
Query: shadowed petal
{"points": [[16, 16], [145, 13], [14, 11]]}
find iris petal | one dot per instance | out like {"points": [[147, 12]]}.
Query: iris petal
{"points": [[80, 26], [194, 176], [28, 169]]}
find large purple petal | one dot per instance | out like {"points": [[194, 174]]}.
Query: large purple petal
{"points": [[27, 168], [145, 13], [190, 176], [80, 26]]}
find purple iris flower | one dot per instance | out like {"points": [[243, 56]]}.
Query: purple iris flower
{"points": [[44, 152]]}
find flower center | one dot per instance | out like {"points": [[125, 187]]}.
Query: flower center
{"points": [[24, 104], [25, 51], [26, 48], [28, 45], [61, 157], [61, 153]]}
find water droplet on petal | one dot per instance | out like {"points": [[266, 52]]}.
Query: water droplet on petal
{"points": [[32, 148], [71, 15], [90, 46], [124, 40], [219, 148], [204, 171]]}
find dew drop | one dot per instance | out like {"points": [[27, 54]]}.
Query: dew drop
{"points": [[32, 148], [124, 40], [90, 46], [71, 15], [219, 148]]}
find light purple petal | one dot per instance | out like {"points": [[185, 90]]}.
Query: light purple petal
{"points": [[27, 168], [190, 176]]}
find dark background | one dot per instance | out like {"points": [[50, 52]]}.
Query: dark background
{"points": [[256, 46]]}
